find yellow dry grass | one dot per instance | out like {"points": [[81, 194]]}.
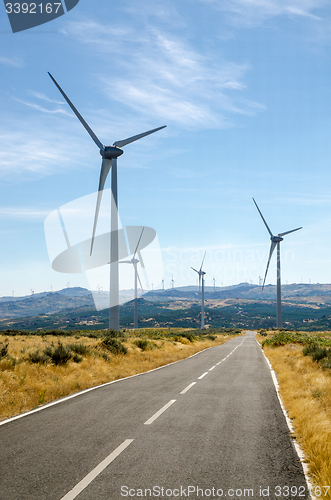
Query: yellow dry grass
{"points": [[24, 386], [305, 389]]}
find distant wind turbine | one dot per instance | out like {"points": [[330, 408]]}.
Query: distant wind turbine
{"points": [[135, 262], [201, 274], [275, 241], [109, 159]]}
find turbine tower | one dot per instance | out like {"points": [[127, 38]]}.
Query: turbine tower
{"points": [[109, 159], [134, 261], [201, 274], [275, 241]]}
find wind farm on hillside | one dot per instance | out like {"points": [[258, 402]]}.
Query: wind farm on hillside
{"points": [[109, 162]]}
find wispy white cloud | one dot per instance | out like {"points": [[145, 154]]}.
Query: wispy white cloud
{"points": [[18, 63], [172, 80], [253, 12], [23, 212], [42, 109]]}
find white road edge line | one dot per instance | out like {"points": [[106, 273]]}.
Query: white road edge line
{"points": [[203, 375], [289, 425], [96, 471], [158, 413], [188, 388]]}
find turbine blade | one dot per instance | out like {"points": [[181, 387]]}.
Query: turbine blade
{"points": [[79, 116], [195, 270], [272, 248], [139, 281], [199, 281], [120, 144], [288, 232], [138, 242], [202, 261], [105, 167], [141, 259], [263, 219]]}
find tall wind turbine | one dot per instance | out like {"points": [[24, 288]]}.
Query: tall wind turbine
{"points": [[201, 274], [134, 261], [109, 159], [275, 241]]}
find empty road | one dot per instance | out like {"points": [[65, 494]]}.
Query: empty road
{"points": [[210, 426]]}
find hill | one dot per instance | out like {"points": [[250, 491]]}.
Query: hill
{"points": [[244, 305]]}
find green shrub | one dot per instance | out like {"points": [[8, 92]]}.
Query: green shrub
{"points": [[3, 349], [59, 355], [145, 345], [189, 336], [37, 357], [211, 337], [320, 353], [114, 346], [81, 349]]}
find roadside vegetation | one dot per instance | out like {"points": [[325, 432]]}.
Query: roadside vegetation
{"points": [[40, 366], [302, 363]]}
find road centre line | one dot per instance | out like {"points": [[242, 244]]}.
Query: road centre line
{"points": [[96, 471], [203, 375], [188, 388], [210, 369], [158, 413]]}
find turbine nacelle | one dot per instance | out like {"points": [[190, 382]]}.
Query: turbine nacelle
{"points": [[110, 152], [276, 239]]}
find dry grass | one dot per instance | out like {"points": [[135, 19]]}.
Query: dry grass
{"points": [[24, 385], [305, 389]]}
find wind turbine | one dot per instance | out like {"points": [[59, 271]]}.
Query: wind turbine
{"points": [[135, 262], [275, 241], [201, 274], [109, 159]]}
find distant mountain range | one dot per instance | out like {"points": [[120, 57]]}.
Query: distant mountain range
{"points": [[244, 305]]}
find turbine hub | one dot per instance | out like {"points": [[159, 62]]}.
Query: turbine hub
{"points": [[276, 239], [111, 152]]}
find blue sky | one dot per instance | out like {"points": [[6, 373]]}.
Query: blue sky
{"points": [[244, 89]]}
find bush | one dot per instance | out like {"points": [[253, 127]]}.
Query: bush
{"points": [[81, 349], [36, 357], [3, 349], [145, 345], [189, 336], [59, 355], [114, 346]]}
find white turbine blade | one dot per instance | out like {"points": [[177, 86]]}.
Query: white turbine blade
{"points": [[199, 281], [202, 261], [272, 248], [120, 144], [288, 232], [195, 270], [263, 219], [141, 259], [138, 242], [105, 167], [79, 116], [139, 281]]}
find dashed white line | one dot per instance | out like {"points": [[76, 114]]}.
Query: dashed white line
{"points": [[96, 471], [188, 388], [210, 369], [203, 375], [158, 413]]}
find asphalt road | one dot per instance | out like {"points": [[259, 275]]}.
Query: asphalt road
{"points": [[209, 426]]}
